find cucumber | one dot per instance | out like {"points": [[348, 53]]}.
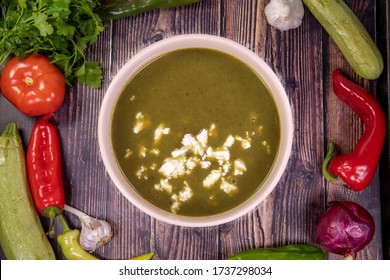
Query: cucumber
{"points": [[350, 36], [22, 236]]}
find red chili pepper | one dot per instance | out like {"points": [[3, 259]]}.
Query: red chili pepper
{"points": [[355, 170], [43, 161]]}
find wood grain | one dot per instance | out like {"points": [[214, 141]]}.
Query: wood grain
{"points": [[302, 58]]}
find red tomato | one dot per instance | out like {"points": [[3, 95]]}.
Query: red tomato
{"points": [[33, 85]]}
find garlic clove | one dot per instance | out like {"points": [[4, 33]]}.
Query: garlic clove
{"points": [[94, 233], [284, 14]]}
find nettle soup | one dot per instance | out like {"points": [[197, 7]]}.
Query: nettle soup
{"points": [[195, 132]]}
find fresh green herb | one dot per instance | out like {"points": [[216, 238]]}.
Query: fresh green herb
{"points": [[60, 29]]}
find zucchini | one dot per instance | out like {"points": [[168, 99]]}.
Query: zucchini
{"points": [[115, 9], [288, 252], [21, 233], [350, 36]]}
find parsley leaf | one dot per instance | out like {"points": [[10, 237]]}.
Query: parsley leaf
{"points": [[22, 3], [90, 73], [43, 26], [60, 29]]}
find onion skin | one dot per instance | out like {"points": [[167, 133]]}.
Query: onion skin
{"points": [[345, 228]]}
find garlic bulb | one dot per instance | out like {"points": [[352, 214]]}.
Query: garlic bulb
{"points": [[94, 233], [284, 14]]}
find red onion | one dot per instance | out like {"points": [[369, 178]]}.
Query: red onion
{"points": [[345, 228]]}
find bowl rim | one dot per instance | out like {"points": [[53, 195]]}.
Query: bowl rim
{"points": [[155, 50]]}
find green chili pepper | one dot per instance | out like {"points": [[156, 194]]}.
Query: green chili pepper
{"points": [[69, 242], [288, 252], [115, 9]]}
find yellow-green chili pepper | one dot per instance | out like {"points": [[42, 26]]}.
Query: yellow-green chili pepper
{"points": [[69, 242], [147, 256]]}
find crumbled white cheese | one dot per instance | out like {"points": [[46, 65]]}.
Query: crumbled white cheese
{"points": [[175, 203], [141, 172], [249, 135], [165, 185], [196, 144], [142, 151], [229, 141], [226, 168], [245, 143], [202, 137], [153, 166], [173, 167], [177, 199], [228, 187], [205, 164], [160, 131], [157, 187], [212, 178], [167, 168], [191, 163], [239, 167], [186, 193], [180, 152], [128, 153], [212, 130], [222, 155], [267, 147], [140, 122], [188, 140], [154, 151], [209, 153], [132, 98]]}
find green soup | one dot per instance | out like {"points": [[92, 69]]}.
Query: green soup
{"points": [[195, 132]]}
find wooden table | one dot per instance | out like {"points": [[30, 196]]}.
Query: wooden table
{"points": [[302, 58]]}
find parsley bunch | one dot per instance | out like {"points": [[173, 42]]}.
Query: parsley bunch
{"points": [[59, 29]]}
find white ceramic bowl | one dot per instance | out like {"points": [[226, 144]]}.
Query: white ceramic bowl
{"points": [[195, 41]]}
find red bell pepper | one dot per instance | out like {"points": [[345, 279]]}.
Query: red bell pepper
{"points": [[43, 161], [355, 170]]}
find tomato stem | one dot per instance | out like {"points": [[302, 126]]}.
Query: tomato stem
{"points": [[29, 81]]}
